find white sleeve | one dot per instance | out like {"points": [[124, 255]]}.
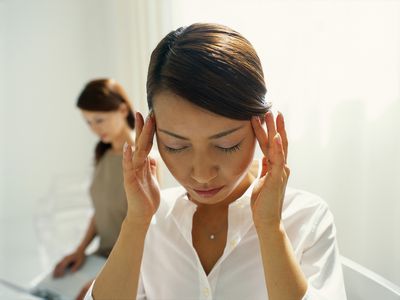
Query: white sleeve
{"points": [[88, 295], [140, 295], [320, 261]]}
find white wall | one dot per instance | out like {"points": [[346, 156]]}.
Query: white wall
{"points": [[2, 100], [333, 69], [51, 49]]}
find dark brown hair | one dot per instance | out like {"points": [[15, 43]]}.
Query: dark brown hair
{"points": [[104, 95], [212, 66]]}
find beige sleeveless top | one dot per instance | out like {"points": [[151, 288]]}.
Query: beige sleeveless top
{"points": [[109, 200]]}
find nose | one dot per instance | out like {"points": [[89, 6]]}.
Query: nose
{"points": [[203, 170]]}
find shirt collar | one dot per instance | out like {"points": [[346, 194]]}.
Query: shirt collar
{"points": [[182, 209]]}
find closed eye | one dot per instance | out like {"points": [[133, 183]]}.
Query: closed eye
{"points": [[230, 149], [174, 150], [223, 149]]}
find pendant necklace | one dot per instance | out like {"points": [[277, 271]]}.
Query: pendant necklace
{"points": [[213, 235]]}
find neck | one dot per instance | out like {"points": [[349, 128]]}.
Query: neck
{"points": [[118, 143]]}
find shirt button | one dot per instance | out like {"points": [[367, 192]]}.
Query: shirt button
{"points": [[234, 243], [206, 292]]}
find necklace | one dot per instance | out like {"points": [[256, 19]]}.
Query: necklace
{"points": [[214, 235]]}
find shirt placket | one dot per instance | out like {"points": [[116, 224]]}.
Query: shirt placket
{"points": [[205, 289], [239, 223]]}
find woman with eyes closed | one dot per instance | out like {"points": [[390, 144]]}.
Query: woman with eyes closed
{"points": [[223, 233], [106, 109]]}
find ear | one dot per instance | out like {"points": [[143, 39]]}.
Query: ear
{"points": [[123, 108]]}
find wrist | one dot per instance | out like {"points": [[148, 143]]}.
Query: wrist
{"points": [[271, 227], [80, 250], [131, 223]]}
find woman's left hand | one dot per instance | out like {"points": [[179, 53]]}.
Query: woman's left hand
{"points": [[268, 193]]}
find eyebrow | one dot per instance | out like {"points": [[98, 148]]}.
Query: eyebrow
{"points": [[215, 136]]}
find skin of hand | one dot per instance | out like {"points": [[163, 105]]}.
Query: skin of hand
{"points": [[73, 261], [143, 197], [84, 290], [140, 174], [268, 193]]}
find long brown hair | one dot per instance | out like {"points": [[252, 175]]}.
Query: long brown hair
{"points": [[104, 95], [211, 66]]}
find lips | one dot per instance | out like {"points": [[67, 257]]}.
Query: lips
{"points": [[209, 192]]}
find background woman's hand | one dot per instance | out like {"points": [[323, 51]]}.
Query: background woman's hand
{"points": [[268, 193], [140, 180], [73, 261]]}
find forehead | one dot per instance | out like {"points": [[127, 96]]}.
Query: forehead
{"points": [[176, 114], [89, 114]]}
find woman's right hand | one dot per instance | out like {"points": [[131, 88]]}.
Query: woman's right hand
{"points": [[73, 262], [140, 179]]}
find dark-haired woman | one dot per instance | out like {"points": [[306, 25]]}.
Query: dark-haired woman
{"points": [[222, 234], [109, 114]]}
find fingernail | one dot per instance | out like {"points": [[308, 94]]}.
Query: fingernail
{"points": [[149, 116], [278, 139], [125, 147]]}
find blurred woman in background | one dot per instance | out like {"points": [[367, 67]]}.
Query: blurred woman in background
{"points": [[109, 114]]}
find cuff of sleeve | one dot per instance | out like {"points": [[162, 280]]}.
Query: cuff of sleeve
{"points": [[88, 295], [306, 295]]}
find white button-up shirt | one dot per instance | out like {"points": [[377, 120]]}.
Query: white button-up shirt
{"points": [[171, 268]]}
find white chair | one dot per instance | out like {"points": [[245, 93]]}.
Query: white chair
{"points": [[364, 284]]}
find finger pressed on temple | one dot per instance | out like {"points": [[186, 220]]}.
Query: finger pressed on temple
{"points": [[271, 129], [280, 124], [146, 139], [139, 123], [261, 134]]}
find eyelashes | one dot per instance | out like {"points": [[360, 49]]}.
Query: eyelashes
{"points": [[173, 150], [98, 121], [230, 149], [224, 150]]}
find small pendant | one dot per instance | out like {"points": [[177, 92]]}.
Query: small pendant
{"points": [[212, 237]]}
